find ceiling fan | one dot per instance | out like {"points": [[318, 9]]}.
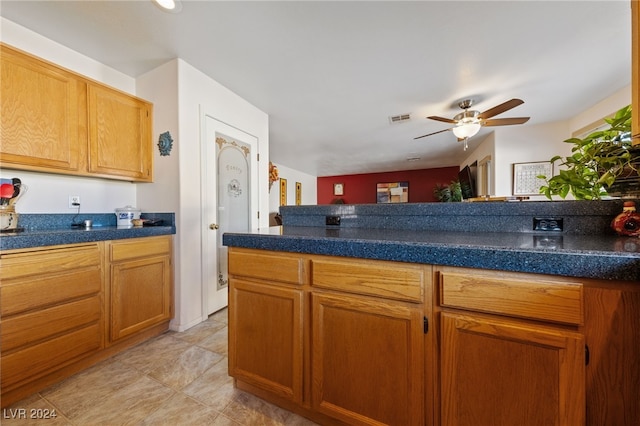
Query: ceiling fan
{"points": [[468, 123]]}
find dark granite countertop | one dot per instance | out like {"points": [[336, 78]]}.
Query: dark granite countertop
{"points": [[590, 256], [41, 230]]}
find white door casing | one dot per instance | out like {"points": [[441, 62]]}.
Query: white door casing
{"points": [[229, 182]]}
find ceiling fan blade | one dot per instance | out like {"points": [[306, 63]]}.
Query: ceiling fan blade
{"points": [[444, 120], [505, 121], [499, 109], [434, 133]]}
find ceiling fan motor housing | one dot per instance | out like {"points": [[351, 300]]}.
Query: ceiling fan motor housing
{"points": [[467, 117]]}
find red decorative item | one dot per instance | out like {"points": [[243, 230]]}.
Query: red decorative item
{"points": [[627, 222]]}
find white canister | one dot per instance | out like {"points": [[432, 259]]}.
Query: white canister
{"points": [[125, 215]]}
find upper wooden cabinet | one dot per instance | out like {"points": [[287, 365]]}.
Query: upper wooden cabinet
{"points": [[40, 115], [56, 121], [635, 69], [118, 123]]}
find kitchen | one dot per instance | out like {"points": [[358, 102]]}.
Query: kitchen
{"points": [[187, 260]]}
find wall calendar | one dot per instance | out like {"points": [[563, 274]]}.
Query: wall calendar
{"points": [[525, 177]]}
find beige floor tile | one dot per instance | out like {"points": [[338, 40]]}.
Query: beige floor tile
{"points": [[33, 411], [221, 316], [217, 342], [250, 410], [130, 405], [155, 353], [200, 332], [181, 410], [214, 388], [80, 392], [190, 365]]}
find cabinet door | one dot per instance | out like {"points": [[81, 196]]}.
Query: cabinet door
{"points": [[119, 135], [39, 114], [500, 372], [265, 337], [367, 360], [140, 294]]}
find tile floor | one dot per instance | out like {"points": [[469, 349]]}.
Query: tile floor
{"points": [[174, 379]]}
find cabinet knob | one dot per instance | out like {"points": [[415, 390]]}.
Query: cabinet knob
{"points": [[214, 226]]}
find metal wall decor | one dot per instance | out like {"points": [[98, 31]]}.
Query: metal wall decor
{"points": [[165, 143], [298, 193]]}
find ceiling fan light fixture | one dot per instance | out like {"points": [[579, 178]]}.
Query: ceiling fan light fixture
{"points": [[172, 6], [466, 130]]}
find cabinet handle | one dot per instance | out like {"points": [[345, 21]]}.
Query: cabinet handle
{"points": [[214, 226]]}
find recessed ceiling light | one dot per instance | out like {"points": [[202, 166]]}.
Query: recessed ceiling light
{"points": [[173, 6]]}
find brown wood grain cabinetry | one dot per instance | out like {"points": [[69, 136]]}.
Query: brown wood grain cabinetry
{"points": [[140, 280], [497, 368], [635, 70], [56, 121], [343, 341], [64, 308], [340, 341], [51, 306]]}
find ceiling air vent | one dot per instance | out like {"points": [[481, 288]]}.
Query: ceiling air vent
{"points": [[401, 118]]}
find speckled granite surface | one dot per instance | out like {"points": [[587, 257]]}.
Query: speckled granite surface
{"points": [[55, 229], [495, 235]]}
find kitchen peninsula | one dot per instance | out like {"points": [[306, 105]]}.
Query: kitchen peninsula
{"points": [[440, 314]]}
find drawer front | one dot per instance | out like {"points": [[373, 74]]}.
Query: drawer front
{"points": [[40, 359], [26, 329], [16, 265], [36, 292], [143, 247], [515, 295], [267, 266], [375, 278]]}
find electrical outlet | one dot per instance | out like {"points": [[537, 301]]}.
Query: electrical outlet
{"points": [[74, 201], [332, 220], [548, 224]]}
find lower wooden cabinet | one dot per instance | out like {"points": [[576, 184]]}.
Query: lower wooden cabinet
{"points": [[367, 360], [64, 308], [51, 310], [140, 279], [500, 372], [364, 342], [265, 337]]}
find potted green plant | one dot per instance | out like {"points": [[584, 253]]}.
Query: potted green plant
{"points": [[603, 163], [448, 193]]}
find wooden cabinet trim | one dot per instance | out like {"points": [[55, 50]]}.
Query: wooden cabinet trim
{"points": [[512, 295], [390, 280], [140, 247], [16, 265], [270, 266]]}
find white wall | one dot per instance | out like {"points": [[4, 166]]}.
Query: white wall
{"points": [[309, 188], [531, 143], [49, 193], [180, 93]]}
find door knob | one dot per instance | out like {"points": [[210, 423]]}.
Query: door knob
{"points": [[214, 226]]}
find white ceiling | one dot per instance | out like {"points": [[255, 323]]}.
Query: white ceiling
{"points": [[329, 74]]}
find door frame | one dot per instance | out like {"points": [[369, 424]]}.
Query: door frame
{"points": [[207, 201]]}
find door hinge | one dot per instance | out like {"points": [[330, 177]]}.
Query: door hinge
{"points": [[425, 325], [258, 157], [258, 215], [587, 355]]}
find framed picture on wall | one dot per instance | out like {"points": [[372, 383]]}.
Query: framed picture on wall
{"points": [[283, 192], [525, 177], [392, 192], [338, 189], [298, 193]]}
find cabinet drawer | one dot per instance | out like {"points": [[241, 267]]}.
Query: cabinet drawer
{"points": [[48, 356], [35, 326], [254, 264], [15, 265], [517, 295], [37, 292], [370, 277], [143, 247]]}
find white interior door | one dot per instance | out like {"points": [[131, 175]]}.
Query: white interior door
{"points": [[230, 200]]}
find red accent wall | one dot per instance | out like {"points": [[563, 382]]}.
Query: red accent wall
{"points": [[361, 189]]}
